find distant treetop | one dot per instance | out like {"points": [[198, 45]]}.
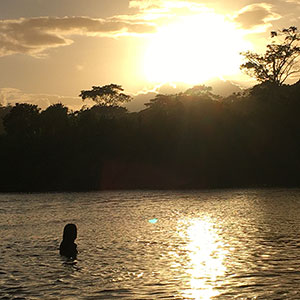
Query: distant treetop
{"points": [[107, 95]]}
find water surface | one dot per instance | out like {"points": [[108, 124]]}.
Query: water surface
{"points": [[227, 244]]}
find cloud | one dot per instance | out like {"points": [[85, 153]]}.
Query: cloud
{"points": [[158, 4], [139, 100], [34, 35], [219, 87], [166, 8], [12, 96], [146, 4], [255, 15]]}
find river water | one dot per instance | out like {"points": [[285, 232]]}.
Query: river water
{"points": [[223, 244]]}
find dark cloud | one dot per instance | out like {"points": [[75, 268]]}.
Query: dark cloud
{"points": [[34, 35], [257, 14]]}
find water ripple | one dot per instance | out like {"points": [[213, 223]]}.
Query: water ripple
{"points": [[204, 245]]}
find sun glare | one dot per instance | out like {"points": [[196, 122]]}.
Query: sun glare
{"points": [[207, 255], [194, 49]]}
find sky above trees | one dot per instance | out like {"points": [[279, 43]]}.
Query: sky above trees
{"points": [[51, 50]]}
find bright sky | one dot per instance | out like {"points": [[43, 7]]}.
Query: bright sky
{"points": [[50, 50]]}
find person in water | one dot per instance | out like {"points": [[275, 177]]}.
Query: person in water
{"points": [[67, 247]]}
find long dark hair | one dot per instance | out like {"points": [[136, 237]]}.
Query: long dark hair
{"points": [[70, 233]]}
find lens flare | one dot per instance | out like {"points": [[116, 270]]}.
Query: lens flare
{"points": [[153, 221]]}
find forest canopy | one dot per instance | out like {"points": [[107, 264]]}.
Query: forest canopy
{"points": [[186, 140]]}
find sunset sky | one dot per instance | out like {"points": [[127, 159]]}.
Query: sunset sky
{"points": [[50, 50]]}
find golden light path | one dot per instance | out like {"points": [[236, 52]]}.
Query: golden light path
{"points": [[207, 255], [194, 49]]}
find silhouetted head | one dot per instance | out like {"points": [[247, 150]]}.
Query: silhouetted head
{"points": [[70, 233]]}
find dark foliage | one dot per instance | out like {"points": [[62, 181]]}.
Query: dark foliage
{"points": [[188, 140], [109, 95], [279, 62]]}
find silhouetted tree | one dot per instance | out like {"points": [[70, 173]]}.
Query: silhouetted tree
{"points": [[54, 120], [280, 61], [4, 110], [107, 95], [22, 120], [98, 112]]}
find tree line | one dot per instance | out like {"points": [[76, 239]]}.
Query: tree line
{"points": [[193, 139]]}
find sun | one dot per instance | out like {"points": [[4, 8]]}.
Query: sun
{"points": [[194, 49]]}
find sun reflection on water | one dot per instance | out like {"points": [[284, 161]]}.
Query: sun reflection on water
{"points": [[206, 256]]}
